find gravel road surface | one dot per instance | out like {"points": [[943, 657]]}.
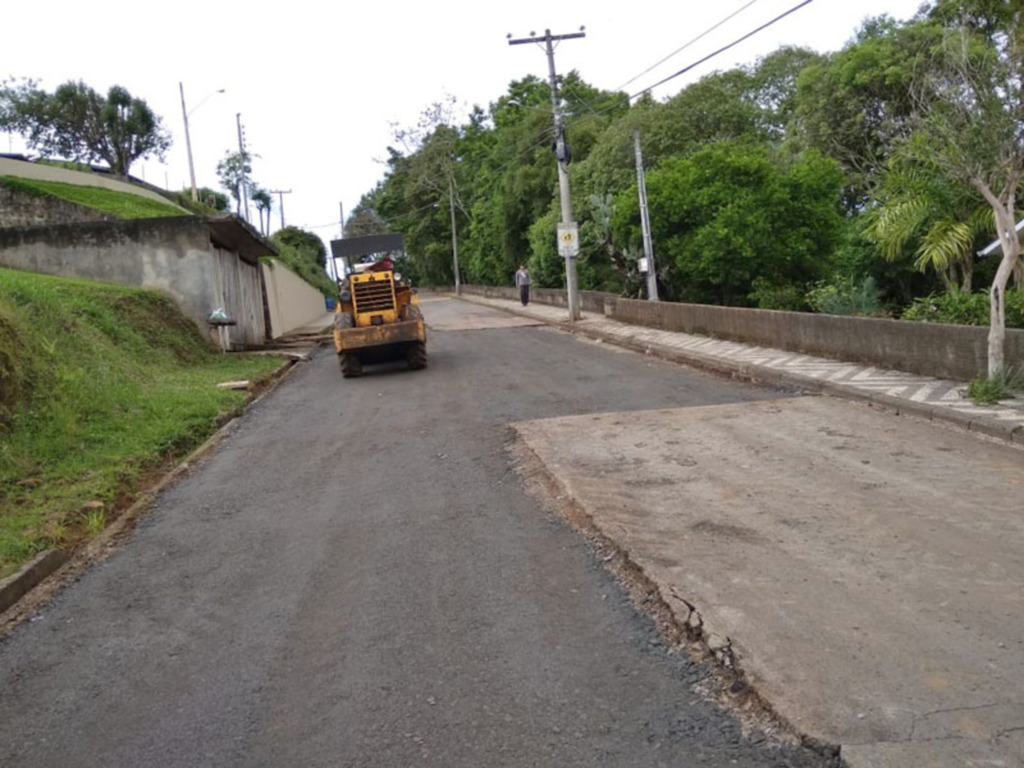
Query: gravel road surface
{"points": [[357, 578]]}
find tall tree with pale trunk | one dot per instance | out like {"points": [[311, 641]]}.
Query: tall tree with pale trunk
{"points": [[969, 123]]}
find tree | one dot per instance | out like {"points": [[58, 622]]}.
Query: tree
{"points": [[855, 105], [211, 197], [234, 171], [263, 202], [305, 242], [364, 219], [969, 123], [77, 123], [733, 218]]}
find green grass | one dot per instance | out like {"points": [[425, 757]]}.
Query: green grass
{"points": [[309, 271], [99, 384], [121, 204]]}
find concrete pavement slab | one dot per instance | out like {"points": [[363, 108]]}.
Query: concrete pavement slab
{"points": [[868, 572]]}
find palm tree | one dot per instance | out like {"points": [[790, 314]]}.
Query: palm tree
{"points": [[915, 204], [262, 200]]}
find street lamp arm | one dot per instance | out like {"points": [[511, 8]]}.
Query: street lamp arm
{"points": [[205, 99]]}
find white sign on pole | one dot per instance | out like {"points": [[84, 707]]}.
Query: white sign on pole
{"points": [[641, 265], [568, 240]]}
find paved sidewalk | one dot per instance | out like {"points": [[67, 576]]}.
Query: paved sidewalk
{"points": [[922, 396]]}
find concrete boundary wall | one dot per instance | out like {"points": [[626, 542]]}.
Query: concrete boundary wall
{"points": [[957, 352], [291, 301]]}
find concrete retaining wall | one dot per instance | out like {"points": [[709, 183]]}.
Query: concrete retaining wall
{"points": [[26, 170], [291, 301], [946, 351], [18, 209], [174, 255]]}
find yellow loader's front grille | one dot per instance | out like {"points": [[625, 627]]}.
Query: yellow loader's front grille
{"points": [[374, 295]]}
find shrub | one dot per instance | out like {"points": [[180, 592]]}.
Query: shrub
{"points": [[961, 308], [844, 296], [783, 297]]}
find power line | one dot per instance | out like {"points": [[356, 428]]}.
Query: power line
{"points": [[682, 48], [723, 49]]}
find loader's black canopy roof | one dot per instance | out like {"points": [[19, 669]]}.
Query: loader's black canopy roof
{"points": [[364, 246]]}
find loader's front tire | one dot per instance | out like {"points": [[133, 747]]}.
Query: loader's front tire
{"points": [[351, 366], [417, 355]]}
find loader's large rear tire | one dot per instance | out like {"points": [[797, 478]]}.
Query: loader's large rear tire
{"points": [[351, 366], [417, 355]]}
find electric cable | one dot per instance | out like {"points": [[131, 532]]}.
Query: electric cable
{"points": [[723, 49], [699, 37]]}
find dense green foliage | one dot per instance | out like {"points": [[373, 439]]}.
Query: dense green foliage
{"points": [[731, 215], [792, 183], [123, 205], [962, 308], [77, 123], [98, 384], [304, 253]]}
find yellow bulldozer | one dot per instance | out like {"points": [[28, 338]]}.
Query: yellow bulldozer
{"points": [[377, 318]]}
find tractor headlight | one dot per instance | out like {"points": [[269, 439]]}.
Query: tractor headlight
{"points": [[398, 277], [346, 296]]}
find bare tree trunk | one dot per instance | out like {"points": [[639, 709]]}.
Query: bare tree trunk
{"points": [[997, 294], [967, 273]]}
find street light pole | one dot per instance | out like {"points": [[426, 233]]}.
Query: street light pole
{"points": [[188, 145], [188, 139]]}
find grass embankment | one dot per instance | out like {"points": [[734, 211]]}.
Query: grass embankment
{"points": [[99, 384], [121, 204], [302, 266]]}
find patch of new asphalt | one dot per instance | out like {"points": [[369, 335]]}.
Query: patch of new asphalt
{"points": [[357, 578]]}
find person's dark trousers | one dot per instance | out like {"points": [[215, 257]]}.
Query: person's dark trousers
{"points": [[524, 294]]}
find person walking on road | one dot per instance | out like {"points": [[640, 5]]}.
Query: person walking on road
{"points": [[523, 283]]}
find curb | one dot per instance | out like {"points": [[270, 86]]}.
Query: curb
{"points": [[50, 561], [759, 374], [17, 585]]}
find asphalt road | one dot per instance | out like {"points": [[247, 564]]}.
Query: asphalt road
{"points": [[357, 578]]}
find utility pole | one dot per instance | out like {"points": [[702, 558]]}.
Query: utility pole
{"points": [[645, 223], [280, 201], [188, 145], [455, 237], [241, 151], [568, 234], [341, 227]]}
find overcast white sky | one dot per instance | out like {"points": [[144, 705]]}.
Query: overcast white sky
{"points": [[319, 83]]}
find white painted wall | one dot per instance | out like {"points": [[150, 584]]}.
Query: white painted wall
{"points": [[292, 302]]}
